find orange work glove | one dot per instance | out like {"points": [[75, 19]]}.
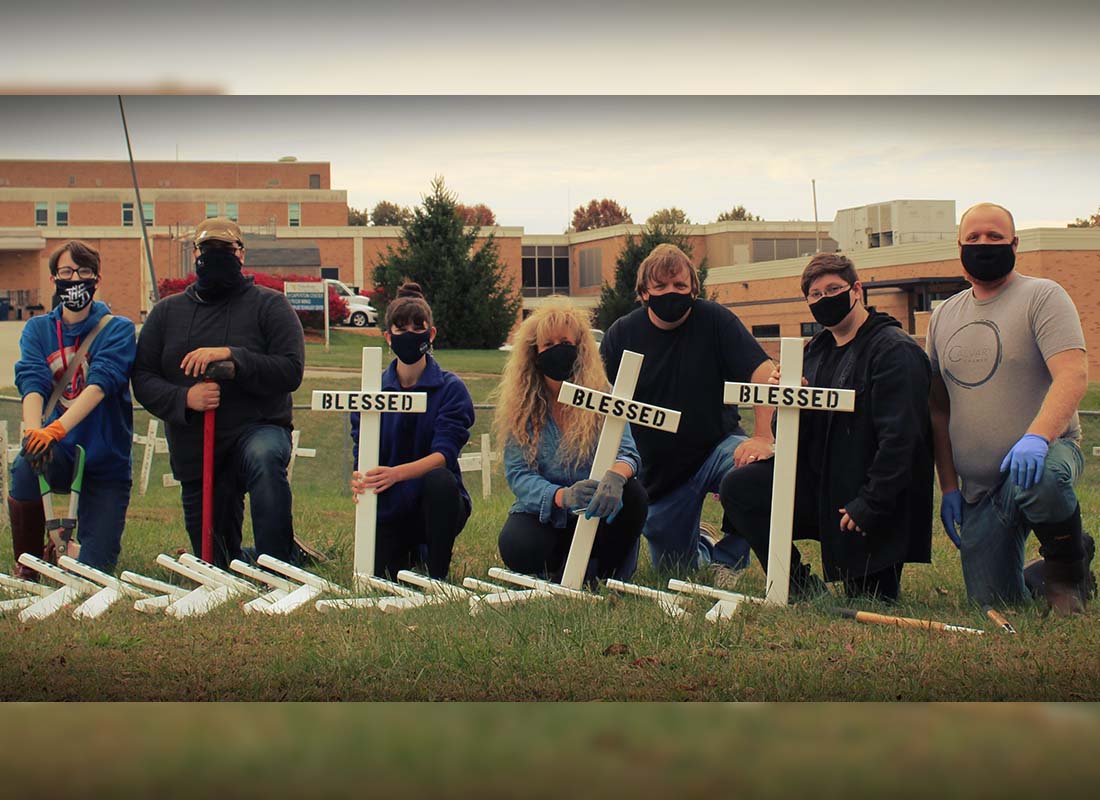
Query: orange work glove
{"points": [[39, 439]]}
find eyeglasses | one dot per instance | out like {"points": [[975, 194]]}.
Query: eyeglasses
{"points": [[832, 291], [84, 273]]}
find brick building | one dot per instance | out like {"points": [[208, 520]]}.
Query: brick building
{"points": [[294, 221]]}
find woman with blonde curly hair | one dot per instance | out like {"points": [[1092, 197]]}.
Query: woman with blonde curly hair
{"points": [[548, 452]]}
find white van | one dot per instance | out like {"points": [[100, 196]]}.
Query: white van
{"points": [[360, 312]]}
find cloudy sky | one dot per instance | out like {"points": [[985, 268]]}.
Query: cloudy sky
{"points": [[536, 108]]}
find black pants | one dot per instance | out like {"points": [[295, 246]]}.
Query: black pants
{"points": [[426, 534], [746, 495], [536, 548]]}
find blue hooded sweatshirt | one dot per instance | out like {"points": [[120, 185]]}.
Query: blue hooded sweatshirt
{"points": [[444, 428], [107, 433]]}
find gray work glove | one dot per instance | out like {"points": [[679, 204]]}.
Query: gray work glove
{"points": [[579, 495], [608, 500]]}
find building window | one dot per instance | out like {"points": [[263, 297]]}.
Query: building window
{"points": [[812, 328], [314, 181], [765, 331], [231, 211], [775, 249], [127, 215], [545, 270], [61, 212], [294, 215], [147, 213], [41, 214], [212, 210], [591, 273]]}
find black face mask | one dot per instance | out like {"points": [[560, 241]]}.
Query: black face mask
{"points": [[671, 306], [988, 262], [557, 362], [76, 295], [410, 347], [831, 311], [219, 273]]}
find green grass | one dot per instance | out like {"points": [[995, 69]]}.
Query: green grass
{"points": [[346, 348], [621, 648]]}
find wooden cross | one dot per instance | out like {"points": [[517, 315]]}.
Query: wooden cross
{"points": [[790, 397], [483, 462]]}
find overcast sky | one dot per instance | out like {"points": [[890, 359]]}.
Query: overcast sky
{"points": [[533, 158]]}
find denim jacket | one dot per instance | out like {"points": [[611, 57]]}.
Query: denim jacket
{"points": [[535, 485]]}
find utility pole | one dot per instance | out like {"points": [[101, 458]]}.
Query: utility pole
{"points": [[140, 207], [817, 229]]}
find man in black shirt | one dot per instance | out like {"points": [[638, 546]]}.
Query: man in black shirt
{"points": [[864, 480], [691, 348]]}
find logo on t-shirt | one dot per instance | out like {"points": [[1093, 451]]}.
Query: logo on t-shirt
{"points": [[972, 354]]}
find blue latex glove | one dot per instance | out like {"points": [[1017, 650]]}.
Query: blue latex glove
{"points": [[1025, 460], [951, 514]]}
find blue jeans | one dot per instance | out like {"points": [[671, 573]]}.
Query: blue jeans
{"points": [[100, 513], [995, 528], [256, 464], [672, 527]]}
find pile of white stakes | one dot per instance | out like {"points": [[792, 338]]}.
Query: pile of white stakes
{"points": [[275, 587]]}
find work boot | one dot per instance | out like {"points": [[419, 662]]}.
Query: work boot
{"points": [[28, 533], [1035, 572], [1063, 549]]}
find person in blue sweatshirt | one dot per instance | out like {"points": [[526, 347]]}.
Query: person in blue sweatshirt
{"points": [[93, 410], [422, 503]]}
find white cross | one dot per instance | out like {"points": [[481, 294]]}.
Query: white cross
{"points": [[371, 403], [152, 444], [482, 462], [617, 408], [790, 397]]}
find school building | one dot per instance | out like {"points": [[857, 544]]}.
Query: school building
{"points": [[295, 222]]}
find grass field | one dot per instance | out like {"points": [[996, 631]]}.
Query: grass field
{"points": [[622, 648]]}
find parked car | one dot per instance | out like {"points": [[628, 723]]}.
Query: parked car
{"points": [[360, 312]]}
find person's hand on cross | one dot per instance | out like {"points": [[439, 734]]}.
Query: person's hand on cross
{"points": [[378, 480], [755, 448], [773, 379]]}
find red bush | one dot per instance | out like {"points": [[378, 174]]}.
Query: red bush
{"points": [[337, 305]]}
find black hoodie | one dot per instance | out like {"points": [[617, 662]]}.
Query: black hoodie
{"points": [[878, 459], [265, 339]]}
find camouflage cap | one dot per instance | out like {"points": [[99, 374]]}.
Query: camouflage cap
{"points": [[221, 229]]}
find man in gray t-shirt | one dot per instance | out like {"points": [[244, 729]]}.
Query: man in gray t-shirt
{"points": [[1008, 372]]}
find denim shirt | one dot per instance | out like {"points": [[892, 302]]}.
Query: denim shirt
{"points": [[535, 485]]}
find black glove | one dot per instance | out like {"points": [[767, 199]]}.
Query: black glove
{"points": [[40, 461], [608, 500], [579, 495]]}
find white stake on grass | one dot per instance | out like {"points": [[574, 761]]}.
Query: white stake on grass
{"points": [[671, 604], [72, 589], [790, 397], [113, 589], [481, 462]]}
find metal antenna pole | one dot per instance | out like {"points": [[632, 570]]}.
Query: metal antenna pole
{"points": [[141, 208]]}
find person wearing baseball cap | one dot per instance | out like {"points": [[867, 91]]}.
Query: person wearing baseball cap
{"points": [[225, 317]]}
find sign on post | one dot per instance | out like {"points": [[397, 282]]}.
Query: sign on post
{"points": [[308, 296], [790, 398]]}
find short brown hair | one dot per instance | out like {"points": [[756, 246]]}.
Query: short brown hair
{"points": [[665, 261], [409, 307], [827, 264], [82, 254]]}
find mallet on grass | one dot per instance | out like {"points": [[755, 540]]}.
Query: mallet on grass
{"points": [[870, 618]]}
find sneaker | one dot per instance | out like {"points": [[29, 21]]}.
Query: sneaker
{"points": [[722, 577]]}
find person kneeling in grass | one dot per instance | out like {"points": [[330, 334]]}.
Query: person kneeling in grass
{"points": [[548, 453], [422, 504]]}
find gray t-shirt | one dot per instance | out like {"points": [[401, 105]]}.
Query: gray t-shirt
{"points": [[992, 357]]}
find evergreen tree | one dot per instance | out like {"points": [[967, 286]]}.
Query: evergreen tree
{"points": [[620, 299], [464, 281]]}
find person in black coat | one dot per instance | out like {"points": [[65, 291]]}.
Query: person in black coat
{"points": [[223, 316], [864, 480]]}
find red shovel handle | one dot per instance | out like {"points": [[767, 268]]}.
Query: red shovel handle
{"points": [[208, 486]]}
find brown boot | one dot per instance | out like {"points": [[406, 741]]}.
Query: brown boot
{"points": [[28, 533], [1065, 588]]}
